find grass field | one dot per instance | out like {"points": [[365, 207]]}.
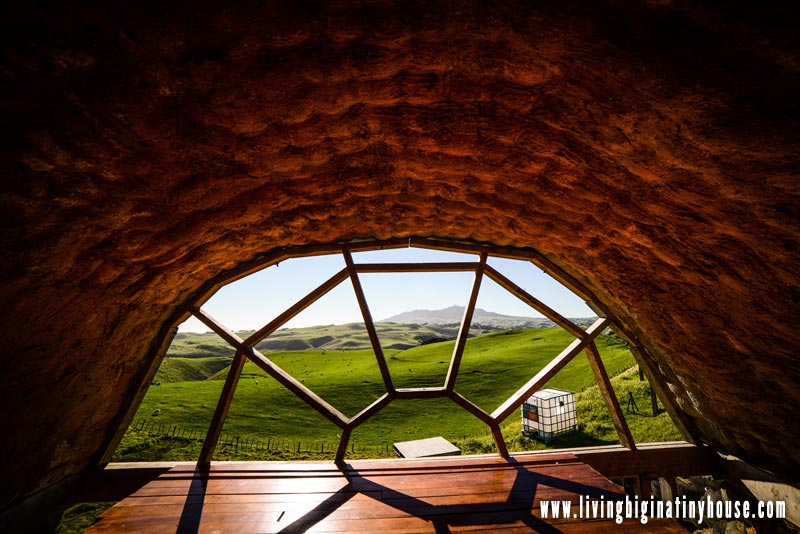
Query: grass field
{"points": [[494, 366], [352, 336], [190, 369], [595, 429]]}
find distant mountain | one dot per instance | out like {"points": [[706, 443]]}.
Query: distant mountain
{"points": [[454, 314]]}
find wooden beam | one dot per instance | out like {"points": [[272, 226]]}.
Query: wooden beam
{"points": [[528, 254], [342, 449], [648, 366], [368, 323], [534, 303], [466, 322], [499, 440], [223, 405], [220, 329], [471, 407], [600, 312], [650, 460], [370, 410], [291, 383], [610, 398], [556, 273], [297, 307], [465, 247], [763, 486], [686, 428], [543, 376], [429, 267], [285, 379], [262, 261]]}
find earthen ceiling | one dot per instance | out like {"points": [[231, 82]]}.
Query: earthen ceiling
{"points": [[648, 148]]}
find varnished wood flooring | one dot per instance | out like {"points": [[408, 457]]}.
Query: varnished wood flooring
{"points": [[443, 495]]}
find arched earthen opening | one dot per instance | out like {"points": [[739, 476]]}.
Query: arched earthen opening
{"points": [[480, 268], [648, 150]]}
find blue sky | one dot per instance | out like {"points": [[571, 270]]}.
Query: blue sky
{"points": [[253, 301]]}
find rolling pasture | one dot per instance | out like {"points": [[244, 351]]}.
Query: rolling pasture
{"points": [[494, 366]]}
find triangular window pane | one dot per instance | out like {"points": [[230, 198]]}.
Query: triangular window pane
{"points": [[253, 301], [335, 360], [545, 288], [174, 415], [418, 313], [266, 421]]}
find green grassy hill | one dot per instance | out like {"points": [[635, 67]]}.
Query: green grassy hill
{"points": [[352, 336], [190, 369], [595, 423], [494, 366]]}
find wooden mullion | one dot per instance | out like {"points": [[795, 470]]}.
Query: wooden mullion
{"points": [[296, 387], [428, 267], [218, 328], [223, 405], [343, 442], [686, 429], [262, 261], [499, 440], [610, 398], [533, 302], [471, 407], [285, 379], [243, 270], [371, 244], [466, 322], [527, 254], [370, 410], [368, 323], [297, 307], [556, 273], [472, 248], [543, 376]]}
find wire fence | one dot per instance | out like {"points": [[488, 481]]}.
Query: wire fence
{"points": [[251, 443]]}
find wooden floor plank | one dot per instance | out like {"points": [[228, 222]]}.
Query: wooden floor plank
{"points": [[471, 495]]}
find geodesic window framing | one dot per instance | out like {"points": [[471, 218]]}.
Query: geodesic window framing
{"points": [[245, 348]]}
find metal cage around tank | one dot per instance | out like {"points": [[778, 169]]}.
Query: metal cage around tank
{"points": [[549, 413]]}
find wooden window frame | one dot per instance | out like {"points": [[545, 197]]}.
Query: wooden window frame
{"points": [[245, 348]]}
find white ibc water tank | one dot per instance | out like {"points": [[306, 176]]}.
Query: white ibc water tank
{"points": [[549, 413]]}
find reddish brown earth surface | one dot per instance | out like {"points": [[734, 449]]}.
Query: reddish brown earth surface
{"points": [[650, 149]]}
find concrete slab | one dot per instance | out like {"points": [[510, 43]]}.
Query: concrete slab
{"points": [[423, 448]]}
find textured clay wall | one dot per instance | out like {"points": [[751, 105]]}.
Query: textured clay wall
{"points": [[648, 148]]}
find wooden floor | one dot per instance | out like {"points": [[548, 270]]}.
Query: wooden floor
{"points": [[442, 495]]}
